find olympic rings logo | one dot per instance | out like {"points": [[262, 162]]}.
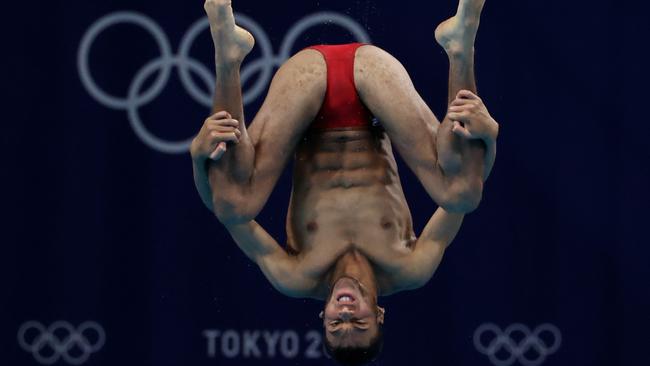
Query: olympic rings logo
{"points": [[137, 98], [34, 338], [530, 343]]}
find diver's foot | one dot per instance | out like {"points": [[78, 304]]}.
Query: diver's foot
{"points": [[458, 33], [231, 42]]}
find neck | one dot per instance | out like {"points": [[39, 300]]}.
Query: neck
{"points": [[355, 265]]}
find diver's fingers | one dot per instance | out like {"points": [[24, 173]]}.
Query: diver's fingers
{"points": [[229, 122], [461, 102], [217, 137], [220, 115], [225, 129], [466, 94], [219, 151], [462, 116], [460, 108], [461, 131]]}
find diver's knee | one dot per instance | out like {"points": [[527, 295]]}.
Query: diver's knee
{"points": [[463, 197], [230, 212]]}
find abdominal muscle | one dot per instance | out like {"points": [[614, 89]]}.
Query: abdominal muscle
{"points": [[347, 195]]}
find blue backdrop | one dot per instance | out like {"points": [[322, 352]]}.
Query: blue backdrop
{"points": [[109, 257]]}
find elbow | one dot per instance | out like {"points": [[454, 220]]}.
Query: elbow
{"points": [[289, 291], [463, 197], [232, 212]]}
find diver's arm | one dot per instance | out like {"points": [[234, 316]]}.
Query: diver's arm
{"points": [[430, 247], [280, 268]]}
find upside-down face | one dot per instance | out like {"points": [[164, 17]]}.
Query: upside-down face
{"points": [[351, 317]]}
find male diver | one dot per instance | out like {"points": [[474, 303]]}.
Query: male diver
{"points": [[349, 229]]}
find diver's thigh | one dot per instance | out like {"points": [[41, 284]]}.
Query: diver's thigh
{"points": [[387, 90], [292, 103], [294, 98]]}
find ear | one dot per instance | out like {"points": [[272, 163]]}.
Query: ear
{"points": [[381, 313]]}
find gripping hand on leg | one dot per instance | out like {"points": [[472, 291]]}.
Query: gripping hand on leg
{"points": [[211, 142]]}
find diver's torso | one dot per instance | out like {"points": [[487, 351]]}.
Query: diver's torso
{"points": [[347, 195]]}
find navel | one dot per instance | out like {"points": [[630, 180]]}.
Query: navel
{"points": [[386, 225], [312, 226]]}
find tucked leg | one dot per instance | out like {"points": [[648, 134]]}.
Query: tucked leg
{"points": [[238, 177], [452, 169]]}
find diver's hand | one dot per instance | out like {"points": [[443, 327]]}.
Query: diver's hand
{"points": [[471, 118], [216, 132]]}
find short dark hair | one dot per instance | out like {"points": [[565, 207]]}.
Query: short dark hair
{"points": [[356, 356]]}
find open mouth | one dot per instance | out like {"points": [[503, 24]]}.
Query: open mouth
{"points": [[345, 299]]}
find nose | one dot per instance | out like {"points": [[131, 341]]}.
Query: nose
{"points": [[345, 314]]}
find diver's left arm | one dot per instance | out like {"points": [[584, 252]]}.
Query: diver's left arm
{"points": [[430, 247], [280, 268]]}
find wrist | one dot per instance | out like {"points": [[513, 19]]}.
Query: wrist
{"points": [[492, 132], [199, 161], [197, 157]]}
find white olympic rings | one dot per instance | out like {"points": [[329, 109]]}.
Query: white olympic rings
{"points": [[137, 98], [517, 351], [48, 339]]}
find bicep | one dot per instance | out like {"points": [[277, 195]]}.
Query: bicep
{"points": [[422, 267], [415, 270], [253, 240], [286, 276], [280, 269], [430, 247]]}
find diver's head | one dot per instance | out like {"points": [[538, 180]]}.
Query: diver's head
{"points": [[352, 323]]}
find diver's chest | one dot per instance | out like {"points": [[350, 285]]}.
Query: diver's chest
{"points": [[380, 238]]}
